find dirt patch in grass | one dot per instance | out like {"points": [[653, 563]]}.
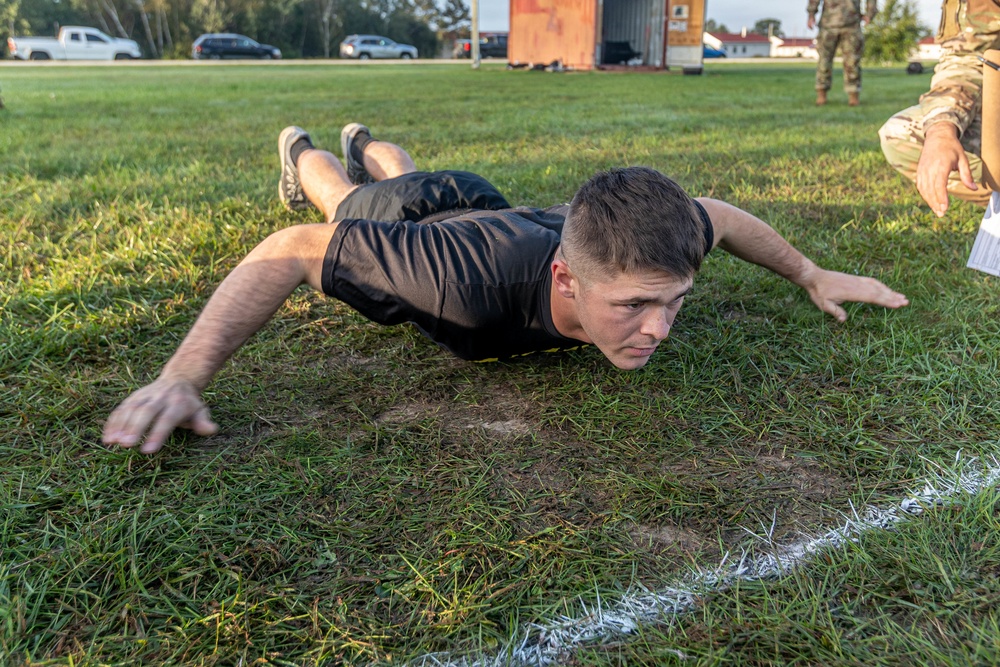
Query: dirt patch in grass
{"points": [[457, 420], [673, 541], [796, 474], [794, 493], [536, 469]]}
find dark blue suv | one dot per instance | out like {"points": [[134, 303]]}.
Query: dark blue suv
{"points": [[228, 45]]}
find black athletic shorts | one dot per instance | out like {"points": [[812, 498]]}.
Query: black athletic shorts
{"points": [[420, 195]]}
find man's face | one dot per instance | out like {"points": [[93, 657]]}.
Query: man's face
{"points": [[628, 316]]}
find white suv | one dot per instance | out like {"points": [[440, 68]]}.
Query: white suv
{"points": [[364, 47]]}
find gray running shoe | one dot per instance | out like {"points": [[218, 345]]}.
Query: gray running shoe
{"points": [[356, 171], [289, 187]]}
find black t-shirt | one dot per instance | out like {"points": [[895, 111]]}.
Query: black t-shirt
{"points": [[477, 284]]}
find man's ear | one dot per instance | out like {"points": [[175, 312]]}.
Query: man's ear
{"points": [[563, 279]]}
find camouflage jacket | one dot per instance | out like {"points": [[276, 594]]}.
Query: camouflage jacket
{"points": [[968, 28], [842, 13]]}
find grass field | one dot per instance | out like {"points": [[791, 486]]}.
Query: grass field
{"points": [[371, 499]]}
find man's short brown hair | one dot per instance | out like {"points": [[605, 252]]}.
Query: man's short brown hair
{"points": [[632, 220]]}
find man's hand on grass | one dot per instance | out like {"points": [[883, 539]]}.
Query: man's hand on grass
{"points": [[154, 412], [829, 289], [941, 155]]}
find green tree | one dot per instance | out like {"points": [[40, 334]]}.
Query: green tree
{"points": [[712, 26], [894, 33], [211, 15], [768, 27], [10, 24], [34, 18], [327, 24], [455, 17]]}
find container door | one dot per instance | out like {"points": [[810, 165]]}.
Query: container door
{"points": [[685, 30], [633, 32], [545, 31]]}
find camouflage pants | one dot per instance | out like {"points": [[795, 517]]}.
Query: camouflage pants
{"points": [[852, 43], [902, 139]]}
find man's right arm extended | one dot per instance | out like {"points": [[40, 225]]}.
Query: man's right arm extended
{"points": [[241, 305]]}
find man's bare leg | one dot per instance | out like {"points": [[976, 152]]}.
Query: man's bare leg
{"points": [[387, 160], [324, 181]]}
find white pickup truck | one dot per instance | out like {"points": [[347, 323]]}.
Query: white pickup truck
{"points": [[73, 43]]}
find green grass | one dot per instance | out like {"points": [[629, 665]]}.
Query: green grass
{"points": [[369, 498]]}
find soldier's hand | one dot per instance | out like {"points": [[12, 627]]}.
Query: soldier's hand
{"points": [[829, 289], [942, 154], [811, 23], [158, 408]]}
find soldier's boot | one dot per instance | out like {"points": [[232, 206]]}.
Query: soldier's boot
{"points": [[820, 98], [853, 99]]}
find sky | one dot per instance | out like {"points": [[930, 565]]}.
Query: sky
{"points": [[494, 15]]}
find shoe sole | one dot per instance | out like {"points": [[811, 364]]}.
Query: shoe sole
{"points": [[286, 139]]}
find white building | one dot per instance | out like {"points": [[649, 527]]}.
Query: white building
{"points": [[794, 47], [744, 45], [927, 49]]}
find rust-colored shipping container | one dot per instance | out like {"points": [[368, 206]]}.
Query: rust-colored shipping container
{"points": [[584, 34]]}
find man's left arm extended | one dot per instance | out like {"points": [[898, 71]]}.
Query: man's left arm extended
{"points": [[751, 239]]}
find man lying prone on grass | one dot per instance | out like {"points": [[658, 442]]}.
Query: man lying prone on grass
{"points": [[448, 253]]}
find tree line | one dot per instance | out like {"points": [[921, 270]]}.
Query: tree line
{"points": [[300, 28]]}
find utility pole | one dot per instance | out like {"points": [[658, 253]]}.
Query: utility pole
{"points": [[475, 34]]}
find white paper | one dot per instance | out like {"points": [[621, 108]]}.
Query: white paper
{"points": [[985, 255]]}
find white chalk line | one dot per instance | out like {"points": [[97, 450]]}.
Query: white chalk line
{"points": [[540, 645]]}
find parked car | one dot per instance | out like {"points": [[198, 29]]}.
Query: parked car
{"points": [[709, 52], [365, 47], [215, 46], [490, 46], [73, 43]]}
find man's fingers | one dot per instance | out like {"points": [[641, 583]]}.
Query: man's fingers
{"points": [[834, 309], [158, 408], [965, 173], [115, 426], [878, 293], [891, 299], [933, 170], [939, 194], [110, 433], [838, 288], [161, 430], [937, 201], [201, 423], [129, 421], [926, 186], [176, 414]]}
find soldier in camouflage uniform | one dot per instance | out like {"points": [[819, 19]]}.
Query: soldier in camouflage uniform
{"points": [[937, 143], [840, 24]]}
